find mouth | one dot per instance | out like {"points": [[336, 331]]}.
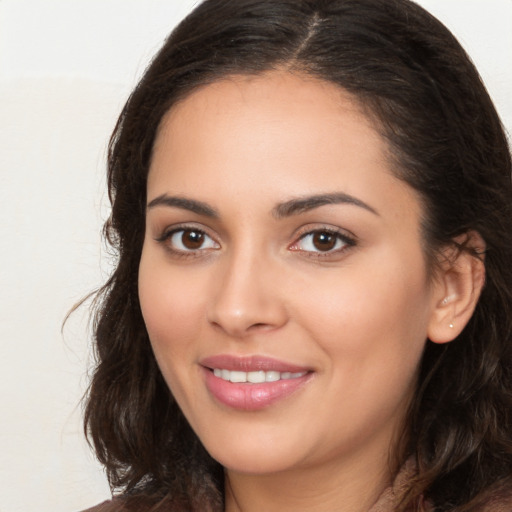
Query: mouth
{"points": [[255, 377], [252, 383], [254, 366]]}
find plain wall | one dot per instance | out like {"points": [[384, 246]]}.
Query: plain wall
{"points": [[66, 68]]}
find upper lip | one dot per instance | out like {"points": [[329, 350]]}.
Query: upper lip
{"points": [[250, 364]]}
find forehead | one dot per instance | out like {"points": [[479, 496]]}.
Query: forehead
{"points": [[271, 136], [276, 97]]}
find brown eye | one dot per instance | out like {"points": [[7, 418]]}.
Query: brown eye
{"points": [[189, 240], [324, 241], [192, 239]]}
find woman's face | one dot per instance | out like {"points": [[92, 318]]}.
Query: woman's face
{"points": [[282, 278]]}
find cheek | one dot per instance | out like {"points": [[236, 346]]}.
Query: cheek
{"points": [[171, 307], [371, 328], [171, 303], [161, 305], [369, 313]]}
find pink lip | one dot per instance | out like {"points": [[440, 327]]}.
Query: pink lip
{"points": [[251, 397]]}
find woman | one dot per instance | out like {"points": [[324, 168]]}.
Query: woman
{"points": [[311, 201]]}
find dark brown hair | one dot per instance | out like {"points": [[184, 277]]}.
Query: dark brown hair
{"points": [[414, 79]]}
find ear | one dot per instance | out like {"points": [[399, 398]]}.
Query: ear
{"points": [[458, 284]]}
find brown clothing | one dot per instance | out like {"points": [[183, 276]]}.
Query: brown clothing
{"points": [[386, 503]]}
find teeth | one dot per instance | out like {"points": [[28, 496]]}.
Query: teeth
{"points": [[272, 376], [255, 377], [238, 377]]}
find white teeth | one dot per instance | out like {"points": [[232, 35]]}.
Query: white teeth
{"points": [[288, 375], [272, 376], [256, 377], [238, 377]]}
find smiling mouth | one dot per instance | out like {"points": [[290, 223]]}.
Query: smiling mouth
{"points": [[255, 377]]}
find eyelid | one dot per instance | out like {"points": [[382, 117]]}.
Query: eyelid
{"points": [[168, 232], [348, 239], [172, 228]]}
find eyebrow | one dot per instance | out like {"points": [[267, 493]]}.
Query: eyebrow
{"points": [[186, 204], [304, 204], [294, 206]]}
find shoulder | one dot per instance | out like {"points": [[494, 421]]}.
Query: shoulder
{"points": [[107, 506], [502, 503], [121, 505], [136, 504]]}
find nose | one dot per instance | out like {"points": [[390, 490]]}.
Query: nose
{"points": [[247, 297]]}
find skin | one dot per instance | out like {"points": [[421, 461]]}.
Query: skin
{"points": [[357, 315]]}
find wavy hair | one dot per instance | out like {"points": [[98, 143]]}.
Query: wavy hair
{"points": [[416, 82]]}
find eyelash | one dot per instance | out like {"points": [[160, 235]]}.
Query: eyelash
{"points": [[346, 242], [167, 237]]}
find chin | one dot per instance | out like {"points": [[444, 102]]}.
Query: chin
{"points": [[254, 465], [254, 458]]}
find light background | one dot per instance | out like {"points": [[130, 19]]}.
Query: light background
{"points": [[66, 68]]}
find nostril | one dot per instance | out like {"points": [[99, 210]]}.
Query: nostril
{"points": [[260, 326]]}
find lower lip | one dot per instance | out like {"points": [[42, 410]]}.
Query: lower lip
{"points": [[252, 397]]}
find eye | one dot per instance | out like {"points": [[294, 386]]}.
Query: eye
{"points": [[322, 241], [188, 240]]}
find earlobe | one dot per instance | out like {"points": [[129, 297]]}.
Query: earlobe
{"points": [[459, 282]]}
